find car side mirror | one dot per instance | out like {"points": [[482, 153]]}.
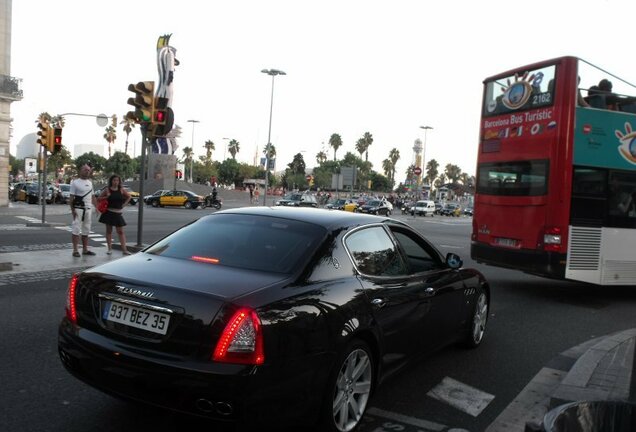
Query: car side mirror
{"points": [[453, 260]]}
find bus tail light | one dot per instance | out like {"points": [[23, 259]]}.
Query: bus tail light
{"points": [[473, 236], [552, 239]]}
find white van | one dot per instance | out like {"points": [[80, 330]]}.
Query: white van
{"points": [[423, 208]]}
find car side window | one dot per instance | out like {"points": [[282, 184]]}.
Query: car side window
{"points": [[418, 258], [374, 253]]}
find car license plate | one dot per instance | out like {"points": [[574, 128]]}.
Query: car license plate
{"points": [[505, 242], [133, 316]]}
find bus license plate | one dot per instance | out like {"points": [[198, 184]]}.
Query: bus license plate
{"points": [[505, 242], [133, 316]]}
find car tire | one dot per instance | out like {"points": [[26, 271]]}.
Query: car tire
{"points": [[188, 205], [155, 203], [346, 392], [478, 320], [388, 212]]}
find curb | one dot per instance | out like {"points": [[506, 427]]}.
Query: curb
{"points": [[599, 369]]}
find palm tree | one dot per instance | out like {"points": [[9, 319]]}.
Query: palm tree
{"points": [[209, 148], [129, 124], [187, 158], [335, 141], [233, 147], [361, 146], [368, 140], [321, 157], [394, 156], [110, 136], [453, 172], [387, 166], [432, 168], [58, 121]]}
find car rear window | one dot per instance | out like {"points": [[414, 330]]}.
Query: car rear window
{"points": [[243, 241]]}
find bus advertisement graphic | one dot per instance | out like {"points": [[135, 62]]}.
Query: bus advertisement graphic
{"points": [[604, 138]]}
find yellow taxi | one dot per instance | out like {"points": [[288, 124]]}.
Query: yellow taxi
{"points": [[177, 198]]}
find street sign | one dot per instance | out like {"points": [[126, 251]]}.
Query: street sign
{"points": [[417, 171]]}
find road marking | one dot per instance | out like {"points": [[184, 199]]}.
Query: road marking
{"points": [[406, 419], [461, 396]]}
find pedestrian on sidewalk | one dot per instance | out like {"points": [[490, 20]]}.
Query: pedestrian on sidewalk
{"points": [[117, 198], [82, 201]]}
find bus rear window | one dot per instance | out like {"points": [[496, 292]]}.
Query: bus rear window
{"points": [[520, 178], [525, 90]]}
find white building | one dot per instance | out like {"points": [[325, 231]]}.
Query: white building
{"points": [[27, 147]]}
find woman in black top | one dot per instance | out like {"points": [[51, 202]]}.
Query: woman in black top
{"points": [[117, 198]]}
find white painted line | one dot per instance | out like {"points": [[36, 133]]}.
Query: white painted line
{"points": [[461, 396], [451, 246], [406, 419]]}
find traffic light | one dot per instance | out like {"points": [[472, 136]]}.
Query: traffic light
{"points": [[178, 174], [44, 135], [57, 140], [160, 117], [143, 101]]}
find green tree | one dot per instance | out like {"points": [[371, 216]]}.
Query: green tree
{"points": [[93, 159], [394, 157], [233, 147], [57, 160], [229, 172], [453, 172], [188, 155], [110, 136], [379, 183], [361, 146], [432, 170], [321, 157], [335, 141], [121, 164], [387, 166], [297, 166], [368, 140], [128, 125], [209, 148]]}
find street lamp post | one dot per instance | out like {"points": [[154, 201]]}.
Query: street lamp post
{"points": [[272, 73], [192, 156], [426, 128], [225, 146]]}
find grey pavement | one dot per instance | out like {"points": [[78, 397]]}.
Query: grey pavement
{"points": [[601, 369]]}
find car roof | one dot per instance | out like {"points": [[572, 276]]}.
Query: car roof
{"points": [[323, 217]]}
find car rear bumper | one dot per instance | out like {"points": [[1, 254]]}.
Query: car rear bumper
{"points": [[245, 395], [542, 263]]}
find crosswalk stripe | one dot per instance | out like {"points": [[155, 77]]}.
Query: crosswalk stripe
{"points": [[461, 396]]}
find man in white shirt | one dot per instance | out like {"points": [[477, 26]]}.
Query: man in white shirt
{"points": [[82, 188]]}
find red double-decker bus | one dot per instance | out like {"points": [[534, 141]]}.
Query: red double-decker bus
{"points": [[556, 173]]}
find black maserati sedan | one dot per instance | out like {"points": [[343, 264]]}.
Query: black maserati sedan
{"points": [[264, 317]]}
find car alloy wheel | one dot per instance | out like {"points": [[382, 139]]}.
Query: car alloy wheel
{"points": [[479, 320], [352, 387], [155, 203], [188, 205]]}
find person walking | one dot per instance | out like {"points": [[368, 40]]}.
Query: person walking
{"points": [[117, 198], [82, 200]]}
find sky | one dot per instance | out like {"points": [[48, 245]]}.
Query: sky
{"points": [[384, 67]]}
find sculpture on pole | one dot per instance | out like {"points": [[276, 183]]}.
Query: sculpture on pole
{"points": [[166, 63]]}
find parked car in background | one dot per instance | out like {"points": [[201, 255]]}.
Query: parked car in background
{"points": [[298, 200], [243, 313], [65, 192], [451, 209], [376, 207], [438, 207], [351, 206], [177, 198], [468, 211], [423, 208]]}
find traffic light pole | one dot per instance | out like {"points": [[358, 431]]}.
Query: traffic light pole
{"points": [[142, 175], [44, 188]]}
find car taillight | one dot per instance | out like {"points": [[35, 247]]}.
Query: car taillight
{"points": [[552, 239], [71, 310], [242, 340]]}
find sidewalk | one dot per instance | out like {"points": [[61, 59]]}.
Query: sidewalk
{"points": [[601, 369], [33, 210]]}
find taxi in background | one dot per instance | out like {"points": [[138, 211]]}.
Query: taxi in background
{"points": [[177, 198]]}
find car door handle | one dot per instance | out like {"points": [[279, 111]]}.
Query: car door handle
{"points": [[429, 292], [379, 302]]}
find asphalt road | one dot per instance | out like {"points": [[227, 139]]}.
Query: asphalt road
{"points": [[531, 321]]}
